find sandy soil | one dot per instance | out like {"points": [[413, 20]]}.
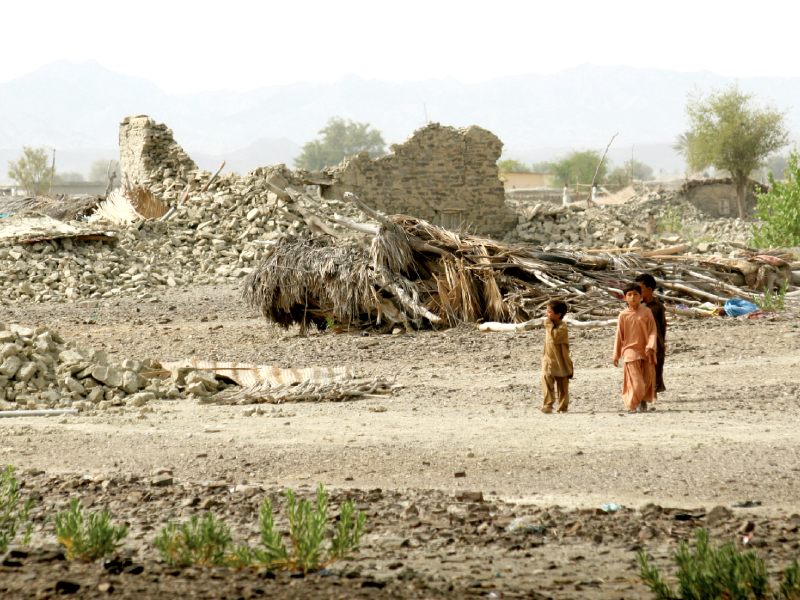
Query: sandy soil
{"points": [[725, 432]]}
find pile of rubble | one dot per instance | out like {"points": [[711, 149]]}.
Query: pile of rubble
{"points": [[649, 222], [211, 239], [38, 370]]}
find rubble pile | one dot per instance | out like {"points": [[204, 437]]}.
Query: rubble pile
{"points": [[211, 239], [648, 222], [38, 370]]}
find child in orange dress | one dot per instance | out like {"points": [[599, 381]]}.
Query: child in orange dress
{"points": [[635, 343], [557, 367]]}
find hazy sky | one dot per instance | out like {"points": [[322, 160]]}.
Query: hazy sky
{"points": [[241, 45]]}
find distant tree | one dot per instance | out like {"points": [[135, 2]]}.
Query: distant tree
{"points": [[542, 167], [580, 166], [69, 177], [31, 170], [777, 165], [729, 132], [511, 165], [98, 171], [632, 169], [340, 138], [619, 176]]}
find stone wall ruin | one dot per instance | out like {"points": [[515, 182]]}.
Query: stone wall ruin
{"points": [[444, 175]]}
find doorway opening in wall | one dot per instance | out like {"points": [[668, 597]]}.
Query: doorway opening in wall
{"points": [[452, 219]]}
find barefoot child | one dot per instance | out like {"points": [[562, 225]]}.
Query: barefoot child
{"points": [[648, 284], [556, 362], [636, 343]]}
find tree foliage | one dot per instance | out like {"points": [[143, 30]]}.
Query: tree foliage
{"points": [[580, 166], [511, 165], [730, 132], [632, 169], [31, 170], [340, 138], [98, 171], [780, 209]]}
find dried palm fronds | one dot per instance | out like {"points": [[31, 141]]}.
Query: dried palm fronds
{"points": [[309, 391], [418, 273], [123, 207]]}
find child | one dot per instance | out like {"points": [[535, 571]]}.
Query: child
{"points": [[556, 362], [648, 284], [636, 343]]}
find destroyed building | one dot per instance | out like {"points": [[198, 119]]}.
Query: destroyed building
{"points": [[445, 175]]}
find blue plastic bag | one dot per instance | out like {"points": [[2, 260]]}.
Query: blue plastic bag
{"points": [[736, 307]]}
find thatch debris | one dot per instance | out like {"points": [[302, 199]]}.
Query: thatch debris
{"points": [[123, 207], [415, 273]]}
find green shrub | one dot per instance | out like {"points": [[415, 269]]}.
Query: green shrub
{"points": [[718, 573], [780, 209], [12, 513], [308, 530], [208, 542], [88, 536], [773, 301], [670, 221], [205, 542]]}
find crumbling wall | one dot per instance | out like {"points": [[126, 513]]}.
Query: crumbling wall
{"points": [[150, 157], [445, 175], [717, 197]]}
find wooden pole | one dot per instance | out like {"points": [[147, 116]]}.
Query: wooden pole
{"points": [[597, 170]]}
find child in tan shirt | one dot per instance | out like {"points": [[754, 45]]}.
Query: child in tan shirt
{"points": [[556, 362], [636, 344]]}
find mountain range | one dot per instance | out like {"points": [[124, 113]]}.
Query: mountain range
{"points": [[76, 108]]}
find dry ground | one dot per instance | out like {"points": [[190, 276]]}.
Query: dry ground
{"points": [[724, 433]]}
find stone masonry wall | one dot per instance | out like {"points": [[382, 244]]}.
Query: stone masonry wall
{"points": [[444, 175], [149, 156], [717, 198], [441, 174]]}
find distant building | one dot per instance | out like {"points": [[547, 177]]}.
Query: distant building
{"points": [[76, 188], [516, 180]]}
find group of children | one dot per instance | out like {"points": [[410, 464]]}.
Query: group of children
{"points": [[639, 343]]}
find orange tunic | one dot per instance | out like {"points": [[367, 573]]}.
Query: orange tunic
{"points": [[636, 343], [636, 334]]}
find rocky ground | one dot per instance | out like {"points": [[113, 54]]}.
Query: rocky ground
{"points": [[443, 467]]}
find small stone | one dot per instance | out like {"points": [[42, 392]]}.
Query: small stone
{"points": [[74, 386], [207, 503], [460, 474], [26, 371], [10, 366], [162, 480], [473, 497], [747, 527], [717, 514], [130, 382], [108, 375], [198, 389], [140, 399]]}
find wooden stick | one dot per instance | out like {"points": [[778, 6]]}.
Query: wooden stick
{"points": [[597, 170], [692, 291], [538, 322]]}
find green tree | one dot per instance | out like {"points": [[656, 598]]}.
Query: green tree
{"points": [[780, 209], [340, 138], [579, 166], [730, 132], [98, 171], [31, 170], [511, 165], [632, 169], [542, 167]]}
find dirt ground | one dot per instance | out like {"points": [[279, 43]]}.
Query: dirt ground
{"points": [[723, 434]]}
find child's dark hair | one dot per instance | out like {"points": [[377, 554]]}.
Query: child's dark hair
{"points": [[632, 287], [559, 307], [647, 280]]}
